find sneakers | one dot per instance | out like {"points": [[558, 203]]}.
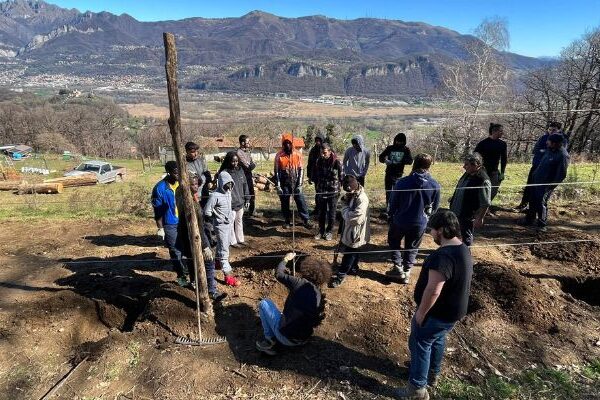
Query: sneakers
{"points": [[230, 280], [318, 236], [236, 246], [336, 281], [266, 346], [395, 272], [217, 296], [308, 224], [182, 281], [521, 208], [354, 270], [328, 236], [411, 392], [287, 225]]}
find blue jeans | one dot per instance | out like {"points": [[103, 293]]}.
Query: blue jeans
{"points": [[412, 235], [174, 253], [349, 260], [270, 317], [538, 204], [284, 198], [427, 344]]}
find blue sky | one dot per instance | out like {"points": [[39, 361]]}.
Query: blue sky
{"points": [[537, 27]]}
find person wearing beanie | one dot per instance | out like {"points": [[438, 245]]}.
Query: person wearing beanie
{"points": [[550, 171], [356, 231], [494, 154], [395, 157], [166, 216], [356, 159], [288, 175], [415, 199], [327, 176], [472, 197], [538, 153]]}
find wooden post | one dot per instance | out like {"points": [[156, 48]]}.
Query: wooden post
{"points": [[188, 201]]}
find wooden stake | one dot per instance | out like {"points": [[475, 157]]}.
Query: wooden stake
{"points": [[188, 201]]}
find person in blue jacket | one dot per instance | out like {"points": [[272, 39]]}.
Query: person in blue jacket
{"points": [[538, 153], [550, 171], [416, 197], [166, 216]]}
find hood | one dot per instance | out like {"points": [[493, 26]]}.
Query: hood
{"points": [[320, 136], [223, 179], [419, 178], [287, 137], [360, 140], [401, 137]]}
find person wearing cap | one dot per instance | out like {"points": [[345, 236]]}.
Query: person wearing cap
{"points": [[356, 159], [355, 231], [472, 197], [288, 175], [395, 157], [166, 216], [494, 154], [416, 197], [538, 153], [550, 171]]}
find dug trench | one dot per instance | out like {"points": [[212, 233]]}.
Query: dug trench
{"points": [[121, 316]]}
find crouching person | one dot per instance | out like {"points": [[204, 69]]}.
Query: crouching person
{"points": [[303, 309], [184, 244], [356, 232]]}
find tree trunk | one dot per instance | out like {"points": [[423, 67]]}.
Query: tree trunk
{"points": [[74, 181], [10, 185], [188, 201], [41, 188]]}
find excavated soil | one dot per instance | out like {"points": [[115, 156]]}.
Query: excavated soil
{"points": [[98, 296]]}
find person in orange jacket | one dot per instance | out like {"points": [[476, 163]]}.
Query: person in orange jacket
{"points": [[288, 180]]}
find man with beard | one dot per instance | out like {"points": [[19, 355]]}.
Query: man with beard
{"points": [[442, 297]]}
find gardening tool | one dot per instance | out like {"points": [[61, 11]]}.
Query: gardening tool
{"points": [[200, 341]]}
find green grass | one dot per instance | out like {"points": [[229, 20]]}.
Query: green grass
{"points": [[131, 198]]}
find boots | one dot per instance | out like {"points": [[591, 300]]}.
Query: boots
{"points": [[412, 392]]}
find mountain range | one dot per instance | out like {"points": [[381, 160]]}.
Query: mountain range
{"points": [[258, 52]]}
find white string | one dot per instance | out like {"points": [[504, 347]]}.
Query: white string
{"points": [[347, 252]]}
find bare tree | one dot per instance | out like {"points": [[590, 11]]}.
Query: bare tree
{"points": [[477, 82]]}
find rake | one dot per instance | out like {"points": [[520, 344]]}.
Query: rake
{"points": [[201, 341]]}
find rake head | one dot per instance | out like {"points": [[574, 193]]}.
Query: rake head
{"points": [[202, 342]]}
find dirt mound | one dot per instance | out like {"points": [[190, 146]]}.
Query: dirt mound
{"points": [[500, 289], [586, 252]]}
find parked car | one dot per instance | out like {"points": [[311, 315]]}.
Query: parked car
{"points": [[105, 172]]}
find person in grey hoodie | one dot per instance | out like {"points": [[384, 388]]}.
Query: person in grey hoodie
{"points": [[218, 209], [356, 159]]}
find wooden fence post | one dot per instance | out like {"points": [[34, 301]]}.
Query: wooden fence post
{"points": [[188, 205]]}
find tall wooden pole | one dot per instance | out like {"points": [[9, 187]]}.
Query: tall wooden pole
{"points": [[188, 200]]}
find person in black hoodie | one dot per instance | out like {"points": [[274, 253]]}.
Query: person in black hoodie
{"points": [[304, 307], [395, 157], [313, 156], [327, 175], [240, 197]]}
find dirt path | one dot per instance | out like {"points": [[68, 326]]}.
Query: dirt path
{"points": [[530, 305]]}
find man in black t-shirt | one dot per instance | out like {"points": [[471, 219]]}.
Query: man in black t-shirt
{"points": [[494, 154], [442, 297]]}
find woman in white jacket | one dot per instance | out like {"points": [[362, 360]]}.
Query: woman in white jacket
{"points": [[356, 232]]}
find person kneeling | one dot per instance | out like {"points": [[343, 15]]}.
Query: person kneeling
{"points": [[303, 309]]}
